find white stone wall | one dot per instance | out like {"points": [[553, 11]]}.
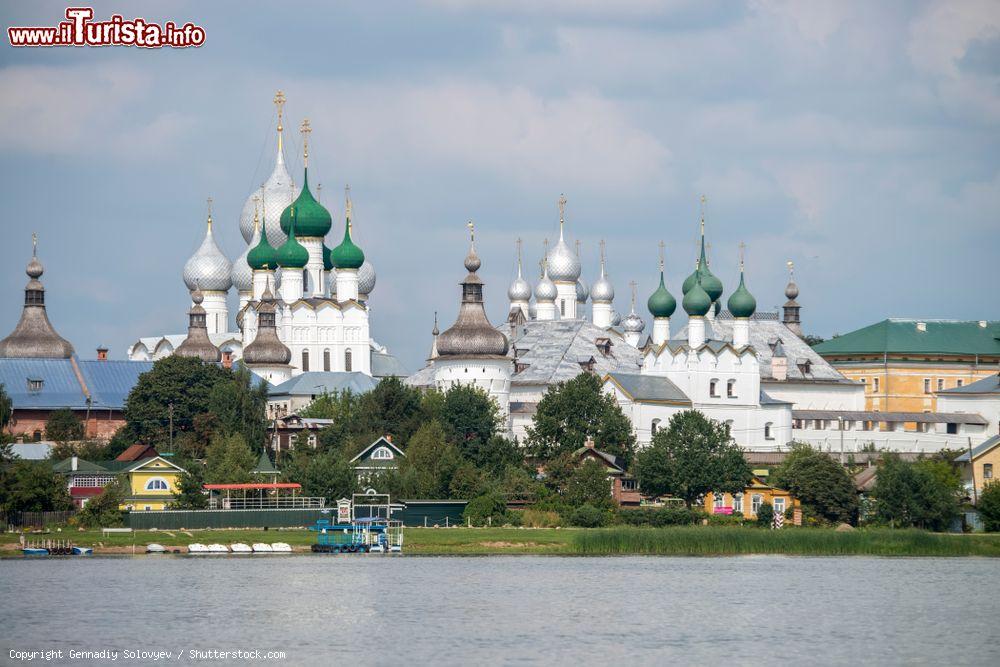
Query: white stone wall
{"points": [[490, 375], [987, 405], [817, 396]]}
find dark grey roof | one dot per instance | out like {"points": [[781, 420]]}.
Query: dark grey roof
{"points": [[766, 330], [876, 416], [649, 388], [982, 448], [386, 365], [317, 383], [768, 400], [988, 385]]}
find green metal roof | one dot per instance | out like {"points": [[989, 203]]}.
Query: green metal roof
{"points": [[264, 465], [898, 336]]}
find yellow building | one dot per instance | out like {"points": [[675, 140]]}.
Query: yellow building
{"points": [[904, 363], [756, 494], [985, 465], [152, 482]]}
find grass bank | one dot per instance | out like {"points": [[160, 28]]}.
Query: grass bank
{"points": [[670, 541], [734, 541]]}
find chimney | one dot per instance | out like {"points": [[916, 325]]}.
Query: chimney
{"points": [[227, 359], [589, 444], [388, 438], [779, 368], [74, 463], [102, 353]]}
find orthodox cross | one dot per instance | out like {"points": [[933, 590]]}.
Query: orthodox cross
{"points": [[279, 101], [633, 285], [743, 247], [662, 255], [562, 211], [34, 244], [305, 129]]}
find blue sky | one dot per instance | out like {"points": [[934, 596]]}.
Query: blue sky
{"points": [[861, 140]]}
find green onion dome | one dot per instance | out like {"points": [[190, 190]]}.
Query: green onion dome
{"points": [[347, 255], [741, 302], [661, 303], [327, 259], [711, 284], [291, 254], [311, 219], [692, 279], [697, 302], [263, 255]]}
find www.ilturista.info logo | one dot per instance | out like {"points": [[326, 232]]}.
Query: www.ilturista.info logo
{"points": [[79, 30]]}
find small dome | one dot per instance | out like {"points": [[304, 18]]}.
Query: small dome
{"points": [[34, 268], [661, 303], [208, 268], [616, 318], [262, 255], [633, 323], [312, 220], [545, 290], [690, 280], [582, 291], [197, 297], [564, 265], [366, 278], [711, 285], [242, 273], [602, 291], [791, 290], [519, 290], [275, 196], [697, 302], [741, 302], [472, 261], [291, 254], [327, 259], [347, 255]]}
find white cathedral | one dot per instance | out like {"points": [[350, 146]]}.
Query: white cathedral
{"points": [[309, 302]]}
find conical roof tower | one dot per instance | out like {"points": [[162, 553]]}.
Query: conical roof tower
{"points": [[34, 337]]}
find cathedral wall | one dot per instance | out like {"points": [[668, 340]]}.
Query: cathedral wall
{"points": [[816, 396], [491, 375]]}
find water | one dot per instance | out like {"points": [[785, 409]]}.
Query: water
{"points": [[489, 610]]}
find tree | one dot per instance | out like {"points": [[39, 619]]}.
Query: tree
{"points": [[31, 486], [923, 494], [498, 454], [467, 482], [6, 408], [229, 460], [765, 515], [470, 418], [989, 507], [321, 474], [813, 341], [571, 412], [183, 382], [104, 510], [819, 482], [433, 461], [239, 404], [391, 408], [488, 509], [191, 494], [63, 426], [691, 457], [589, 485]]}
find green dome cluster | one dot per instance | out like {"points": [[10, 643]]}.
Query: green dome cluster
{"points": [[661, 303], [311, 218], [263, 255], [697, 302], [709, 282], [741, 302], [291, 254]]}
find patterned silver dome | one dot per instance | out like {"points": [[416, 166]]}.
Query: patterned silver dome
{"points": [[519, 290], [633, 323], [277, 193], [564, 265], [616, 319], [545, 290], [208, 268], [582, 291], [602, 291], [242, 274], [366, 278]]}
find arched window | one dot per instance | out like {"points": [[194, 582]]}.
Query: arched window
{"points": [[326, 360], [305, 361], [305, 282], [382, 454], [157, 484], [713, 388], [348, 360], [731, 388], [654, 427]]}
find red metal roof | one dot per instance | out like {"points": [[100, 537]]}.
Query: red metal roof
{"points": [[276, 485], [84, 491]]}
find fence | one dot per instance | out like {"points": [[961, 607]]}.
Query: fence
{"points": [[12, 520], [251, 518]]}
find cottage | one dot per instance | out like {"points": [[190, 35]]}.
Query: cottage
{"points": [[981, 465], [152, 482], [748, 503], [624, 488], [378, 457]]}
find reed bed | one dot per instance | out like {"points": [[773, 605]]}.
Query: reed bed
{"points": [[731, 541]]}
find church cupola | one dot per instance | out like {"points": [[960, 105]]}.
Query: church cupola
{"points": [[197, 344], [277, 193], [742, 306], [546, 291], [267, 356], [602, 294], [790, 311], [519, 292], [632, 324], [210, 272], [661, 305], [347, 257], [291, 254], [696, 304], [564, 269], [312, 220]]}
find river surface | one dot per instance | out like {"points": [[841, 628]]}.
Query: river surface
{"points": [[508, 610]]}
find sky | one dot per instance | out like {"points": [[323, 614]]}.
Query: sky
{"points": [[860, 140]]}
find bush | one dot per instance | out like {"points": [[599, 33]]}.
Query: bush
{"points": [[536, 518], [989, 507], [735, 519], [664, 516], [765, 515], [488, 509], [588, 516], [103, 511]]}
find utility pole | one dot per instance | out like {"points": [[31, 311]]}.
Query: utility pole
{"points": [[170, 414], [972, 474], [841, 420]]}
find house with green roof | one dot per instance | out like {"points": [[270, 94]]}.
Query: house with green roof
{"points": [[152, 482]]}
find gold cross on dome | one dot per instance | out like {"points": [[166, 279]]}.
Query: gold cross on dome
{"points": [[562, 207], [279, 101], [348, 206], [34, 244], [305, 129]]}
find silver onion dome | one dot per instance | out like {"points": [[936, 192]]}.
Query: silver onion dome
{"points": [[520, 289], [582, 291], [366, 278], [208, 269], [242, 274], [616, 319], [564, 265], [277, 194], [545, 290], [602, 291], [633, 323]]}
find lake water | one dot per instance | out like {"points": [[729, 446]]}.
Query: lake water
{"points": [[527, 610]]}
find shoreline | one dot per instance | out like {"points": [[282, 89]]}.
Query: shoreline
{"points": [[615, 541]]}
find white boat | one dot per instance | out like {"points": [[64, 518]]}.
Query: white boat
{"points": [[155, 549], [83, 551], [197, 548], [218, 549], [240, 548], [281, 547], [262, 547]]}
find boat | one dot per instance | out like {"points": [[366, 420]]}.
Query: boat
{"points": [[281, 547], [371, 532], [34, 551], [218, 549], [83, 551], [262, 548], [240, 548], [157, 549], [197, 548]]}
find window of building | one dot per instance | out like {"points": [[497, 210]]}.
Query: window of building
{"points": [[779, 505], [713, 388], [875, 384], [305, 282], [731, 388], [737, 502], [940, 384], [349, 361], [312, 440], [157, 484], [629, 485], [718, 500], [382, 454], [959, 382], [952, 428], [927, 385], [756, 500], [326, 360], [654, 427], [987, 471], [35, 385], [305, 361], [562, 307], [768, 431]]}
